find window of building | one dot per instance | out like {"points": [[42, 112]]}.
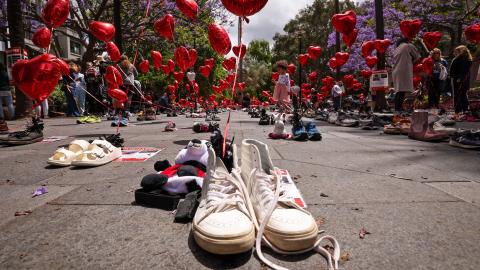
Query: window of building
{"points": [[75, 47]]}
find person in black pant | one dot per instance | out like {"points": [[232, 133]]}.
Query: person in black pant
{"points": [[460, 75]]}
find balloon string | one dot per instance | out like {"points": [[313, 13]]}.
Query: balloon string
{"points": [[239, 57], [132, 82], [141, 32], [88, 93], [119, 120]]}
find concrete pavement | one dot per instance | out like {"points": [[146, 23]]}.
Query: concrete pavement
{"points": [[420, 202]]}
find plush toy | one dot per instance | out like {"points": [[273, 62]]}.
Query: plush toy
{"points": [[183, 177]]}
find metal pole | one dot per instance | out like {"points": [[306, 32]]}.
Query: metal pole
{"points": [[381, 102], [337, 35]]}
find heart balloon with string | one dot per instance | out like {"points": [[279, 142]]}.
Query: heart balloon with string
{"points": [[157, 59], [410, 28], [275, 76], [431, 39], [117, 94], [55, 12], [145, 66], [381, 46], [102, 31], [236, 50], [38, 77], [344, 22], [368, 47], [314, 52], [303, 59], [113, 77], [219, 39], [178, 76], [472, 33], [291, 69], [182, 58], [205, 71], [42, 37], [230, 63], [342, 58], [333, 63], [113, 51], [244, 8], [165, 26], [192, 53], [209, 62], [371, 61], [350, 38], [189, 8], [366, 73]]}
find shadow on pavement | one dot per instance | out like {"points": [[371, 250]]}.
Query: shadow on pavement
{"points": [[217, 261]]}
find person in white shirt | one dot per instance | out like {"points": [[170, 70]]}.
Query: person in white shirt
{"points": [[337, 92]]}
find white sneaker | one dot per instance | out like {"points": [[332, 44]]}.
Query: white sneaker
{"points": [[282, 225], [223, 223]]}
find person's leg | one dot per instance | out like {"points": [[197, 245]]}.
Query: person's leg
{"points": [[81, 100], [11, 109], [457, 96], [2, 115], [431, 94], [399, 98], [464, 100], [45, 108]]}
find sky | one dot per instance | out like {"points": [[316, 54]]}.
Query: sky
{"points": [[270, 20]]}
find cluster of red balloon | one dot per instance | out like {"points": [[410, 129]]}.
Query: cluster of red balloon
{"points": [[38, 77], [472, 33], [344, 23]]}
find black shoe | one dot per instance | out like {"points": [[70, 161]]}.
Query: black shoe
{"points": [[32, 134], [264, 120], [467, 139]]}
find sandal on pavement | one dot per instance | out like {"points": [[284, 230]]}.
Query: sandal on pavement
{"points": [[64, 156], [99, 153]]}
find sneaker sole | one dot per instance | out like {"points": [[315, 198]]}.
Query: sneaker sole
{"points": [[222, 246], [292, 242], [465, 146], [10, 142], [301, 137]]}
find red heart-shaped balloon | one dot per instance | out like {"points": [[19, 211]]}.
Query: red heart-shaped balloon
{"points": [[368, 47], [113, 77], [157, 59], [113, 52], [178, 76], [241, 86], [314, 52], [182, 57], [236, 50], [348, 80], [145, 66], [431, 39], [291, 69], [303, 59], [366, 74], [189, 8], [192, 53], [344, 22], [410, 28], [333, 63], [244, 8], [275, 76], [312, 76], [382, 45], [416, 81], [472, 33], [42, 37], [217, 89], [171, 65], [371, 61], [342, 58], [205, 71], [231, 78], [209, 62], [357, 86], [102, 31], [165, 69], [219, 39], [38, 77], [56, 12], [117, 94], [171, 89], [428, 64], [350, 38], [230, 63], [165, 26], [306, 85]]}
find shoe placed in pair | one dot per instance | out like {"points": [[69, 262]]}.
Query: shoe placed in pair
{"points": [[33, 133], [83, 154], [467, 139], [250, 198], [303, 132]]}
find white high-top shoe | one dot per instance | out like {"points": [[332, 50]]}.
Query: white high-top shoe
{"points": [[282, 225], [223, 223]]}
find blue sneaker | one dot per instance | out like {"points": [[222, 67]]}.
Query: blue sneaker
{"points": [[313, 133], [299, 132]]}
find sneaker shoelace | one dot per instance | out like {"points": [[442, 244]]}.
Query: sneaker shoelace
{"points": [[268, 198], [225, 193]]}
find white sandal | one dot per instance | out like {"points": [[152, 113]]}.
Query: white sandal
{"points": [[63, 157], [100, 152]]}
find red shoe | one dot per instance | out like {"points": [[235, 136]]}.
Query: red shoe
{"points": [[3, 127]]}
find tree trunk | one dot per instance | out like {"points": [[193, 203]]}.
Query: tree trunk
{"points": [[117, 21], [380, 102], [23, 104]]}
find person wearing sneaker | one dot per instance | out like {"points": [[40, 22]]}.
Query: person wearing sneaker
{"points": [[223, 222], [281, 224], [32, 134]]}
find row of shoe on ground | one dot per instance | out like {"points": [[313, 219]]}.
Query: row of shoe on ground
{"points": [[420, 125], [245, 207]]}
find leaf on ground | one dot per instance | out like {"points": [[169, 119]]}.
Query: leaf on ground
{"points": [[363, 232], [345, 257], [320, 221], [323, 195]]}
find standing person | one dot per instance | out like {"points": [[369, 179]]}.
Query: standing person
{"points": [[129, 72], [80, 88], [460, 75], [337, 92], [5, 94], [438, 79], [42, 108], [69, 91], [92, 82], [281, 93], [405, 55]]}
